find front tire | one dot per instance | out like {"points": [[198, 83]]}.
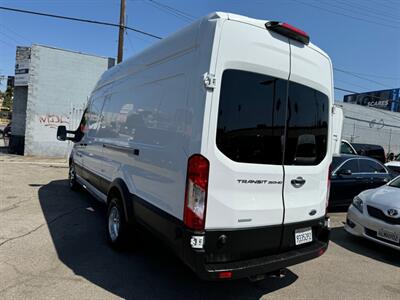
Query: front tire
{"points": [[117, 226]]}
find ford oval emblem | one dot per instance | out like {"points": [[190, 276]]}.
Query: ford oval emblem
{"points": [[312, 212], [392, 212]]}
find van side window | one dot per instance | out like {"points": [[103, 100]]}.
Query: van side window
{"points": [[82, 128], [115, 113], [251, 117], [153, 113], [307, 125], [93, 115]]}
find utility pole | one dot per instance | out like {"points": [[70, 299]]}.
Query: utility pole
{"points": [[121, 32]]}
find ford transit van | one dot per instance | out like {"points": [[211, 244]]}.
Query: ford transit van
{"points": [[216, 139]]}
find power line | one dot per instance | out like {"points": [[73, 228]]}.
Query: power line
{"points": [[381, 3], [9, 37], [16, 33], [175, 9], [129, 41], [169, 9], [8, 44], [346, 15], [373, 75], [344, 90], [358, 9], [78, 20], [360, 77], [394, 12], [353, 84]]}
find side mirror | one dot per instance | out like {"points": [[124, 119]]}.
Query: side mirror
{"points": [[344, 172], [62, 133]]}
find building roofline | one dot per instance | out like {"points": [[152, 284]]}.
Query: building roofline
{"points": [[71, 51]]}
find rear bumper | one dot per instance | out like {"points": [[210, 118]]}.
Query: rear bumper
{"points": [[262, 265], [281, 258]]}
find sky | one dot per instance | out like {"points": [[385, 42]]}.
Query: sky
{"points": [[362, 37]]}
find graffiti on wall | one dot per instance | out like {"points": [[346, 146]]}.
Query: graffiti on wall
{"points": [[53, 120]]}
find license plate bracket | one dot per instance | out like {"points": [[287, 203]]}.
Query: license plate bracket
{"points": [[303, 236]]}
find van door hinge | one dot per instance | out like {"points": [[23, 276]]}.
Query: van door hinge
{"points": [[209, 80]]}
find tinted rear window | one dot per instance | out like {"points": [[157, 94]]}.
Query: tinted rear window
{"points": [[308, 118], [251, 120], [251, 117]]}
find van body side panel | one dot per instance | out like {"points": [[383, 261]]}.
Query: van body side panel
{"points": [[157, 111], [244, 195], [150, 117], [308, 144]]}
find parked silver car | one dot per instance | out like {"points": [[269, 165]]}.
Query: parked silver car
{"points": [[375, 215]]}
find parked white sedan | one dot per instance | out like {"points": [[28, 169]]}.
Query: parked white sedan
{"points": [[375, 215], [394, 165]]}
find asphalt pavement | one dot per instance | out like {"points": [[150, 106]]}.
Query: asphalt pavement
{"points": [[52, 246]]}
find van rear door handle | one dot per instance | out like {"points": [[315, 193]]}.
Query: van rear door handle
{"points": [[136, 151], [298, 182]]}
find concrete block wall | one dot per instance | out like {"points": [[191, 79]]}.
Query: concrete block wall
{"points": [[60, 84]]}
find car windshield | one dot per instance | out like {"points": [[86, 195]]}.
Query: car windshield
{"points": [[395, 183]]}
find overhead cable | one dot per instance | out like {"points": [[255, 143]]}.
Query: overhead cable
{"points": [[78, 20]]}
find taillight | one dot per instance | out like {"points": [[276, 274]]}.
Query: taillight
{"points": [[328, 188], [196, 192], [289, 31]]}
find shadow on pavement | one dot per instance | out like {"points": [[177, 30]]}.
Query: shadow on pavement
{"points": [[77, 226], [338, 209], [3, 149], [364, 247]]}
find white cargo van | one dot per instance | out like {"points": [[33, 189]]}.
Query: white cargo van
{"points": [[218, 140]]}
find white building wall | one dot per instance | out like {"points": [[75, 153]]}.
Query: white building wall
{"points": [[59, 85], [371, 126]]}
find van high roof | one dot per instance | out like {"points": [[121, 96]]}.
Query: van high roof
{"points": [[180, 41]]}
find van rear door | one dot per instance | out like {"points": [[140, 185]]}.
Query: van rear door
{"points": [[245, 135], [307, 154]]}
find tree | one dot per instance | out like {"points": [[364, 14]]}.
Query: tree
{"points": [[8, 96]]}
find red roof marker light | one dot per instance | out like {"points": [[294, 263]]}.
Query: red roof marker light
{"points": [[288, 31]]}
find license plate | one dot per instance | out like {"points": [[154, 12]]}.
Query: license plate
{"points": [[303, 235], [388, 235]]}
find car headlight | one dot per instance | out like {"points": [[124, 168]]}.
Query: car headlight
{"points": [[358, 203]]}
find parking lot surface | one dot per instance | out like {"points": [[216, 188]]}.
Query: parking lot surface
{"points": [[52, 246]]}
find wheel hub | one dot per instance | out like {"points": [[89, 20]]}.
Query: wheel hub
{"points": [[113, 223]]}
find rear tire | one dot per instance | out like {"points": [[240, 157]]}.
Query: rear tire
{"points": [[73, 184], [117, 226]]}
